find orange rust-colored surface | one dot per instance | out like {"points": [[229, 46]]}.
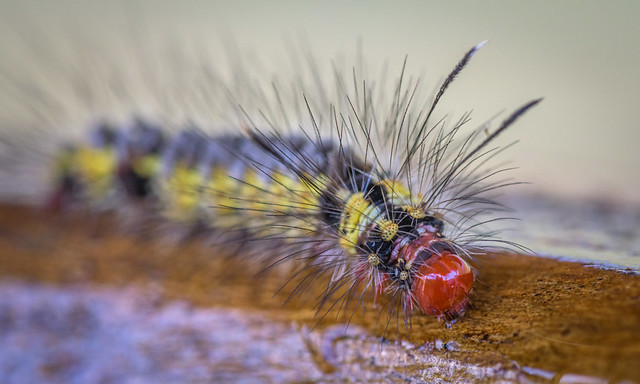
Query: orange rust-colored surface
{"points": [[556, 316]]}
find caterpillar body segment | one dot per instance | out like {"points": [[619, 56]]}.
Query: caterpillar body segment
{"points": [[140, 150], [86, 171]]}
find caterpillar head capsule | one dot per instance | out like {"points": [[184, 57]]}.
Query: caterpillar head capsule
{"points": [[441, 280], [442, 285]]}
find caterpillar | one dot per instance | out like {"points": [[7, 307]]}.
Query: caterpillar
{"points": [[386, 203]]}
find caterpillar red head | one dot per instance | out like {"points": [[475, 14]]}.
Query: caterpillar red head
{"points": [[440, 281]]}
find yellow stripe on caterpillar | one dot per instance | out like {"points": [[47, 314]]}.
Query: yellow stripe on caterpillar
{"points": [[295, 195], [252, 197], [96, 168], [349, 220], [250, 189], [182, 189], [356, 216], [147, 166], [219, 192]]}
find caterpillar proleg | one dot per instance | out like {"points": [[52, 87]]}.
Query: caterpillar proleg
{"points": [[367, 190]]}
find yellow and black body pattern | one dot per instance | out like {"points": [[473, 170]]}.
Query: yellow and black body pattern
{"points": [[361, 193], [266, 187]]}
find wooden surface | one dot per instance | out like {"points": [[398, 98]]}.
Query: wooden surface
{"points": [[532, 319]]}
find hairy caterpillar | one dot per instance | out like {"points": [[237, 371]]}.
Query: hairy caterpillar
{"points": [[384, 202]]}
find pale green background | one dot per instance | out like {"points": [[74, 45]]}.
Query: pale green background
{"points": [[581, 56]]}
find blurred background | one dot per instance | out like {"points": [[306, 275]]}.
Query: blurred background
{"points": [[581, 56]]}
